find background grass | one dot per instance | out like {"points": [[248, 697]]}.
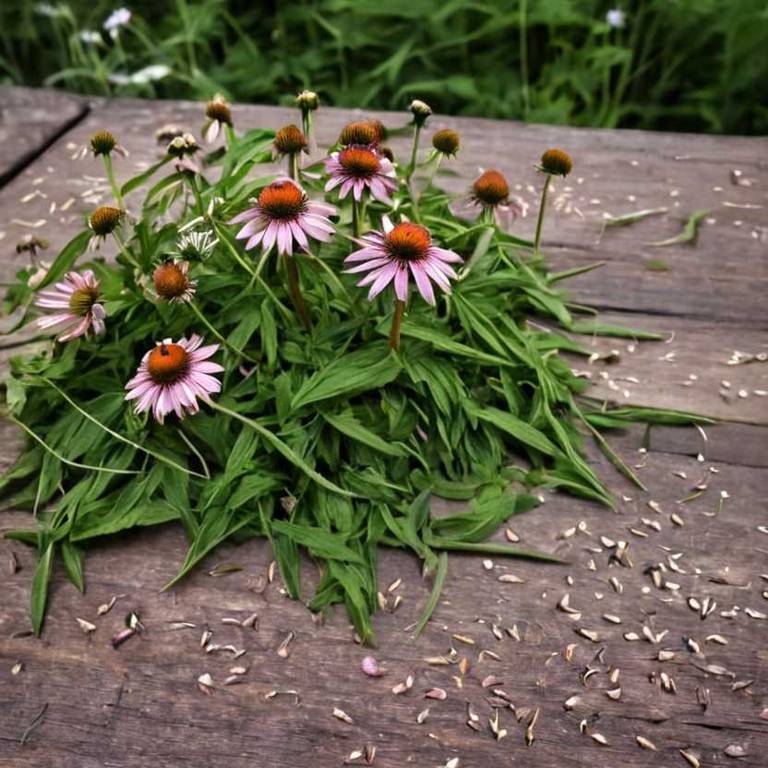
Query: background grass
{"points": [[694, 65]]}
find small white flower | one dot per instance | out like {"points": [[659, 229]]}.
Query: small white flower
{"points": [[196, 245], [616, 18], [150, 74], [91, 37], [119, 18]]}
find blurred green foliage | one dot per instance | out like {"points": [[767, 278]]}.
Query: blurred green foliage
{"points": [[696, 65]]}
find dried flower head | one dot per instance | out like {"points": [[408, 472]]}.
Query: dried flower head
{"points": [[168, 132], [420, 111], [172, 283], [307, 101], [218, 108], [104, 220], [73, 306], [102, 143], [186, 144], [556, 162], [218, 113], [290, 140], [490, 189], [446, 141], [31, 244], [362, 132], [196, 245]]}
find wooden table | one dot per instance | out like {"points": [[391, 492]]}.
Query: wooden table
{"points": [[140, 705]]}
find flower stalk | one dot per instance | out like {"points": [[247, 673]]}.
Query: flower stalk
{"points": [[294, 288], [112, 181], [397, 321], [540, 219]]}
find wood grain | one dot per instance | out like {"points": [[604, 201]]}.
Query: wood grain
{"points": [[140, 704]]}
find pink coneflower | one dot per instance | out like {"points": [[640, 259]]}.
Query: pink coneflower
{"points": [[390, 255], [359, 168], [490, 191], [283, 214], [172, 283], [172, 376], [74, 306]]}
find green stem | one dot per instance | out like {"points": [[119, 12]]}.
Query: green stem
{"points": [[293, 166], [434, 167], [540, 220], [204, 320], [113, 183], [231, 137], [196, 192], [358, 217], [397, 321], [294, 288], [125, 252], [414, 152]]}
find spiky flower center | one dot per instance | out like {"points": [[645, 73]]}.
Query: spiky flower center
{"points": [[170, 280], [103, 142], [359, 162], [491, 188], [446, 141], [290, 140], [360, 132], [82, 300], [282, 200], [408, 242], [167, 363], [218, 109], [104, 219], [557, 162]]}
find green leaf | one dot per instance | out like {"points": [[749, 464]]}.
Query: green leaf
{"points": [[320, 543], [434, 596], [40, 581], [67, 257], [73, 563], [143, 177], [595, 328], [365, 369], [517, 428], [348, 425]]}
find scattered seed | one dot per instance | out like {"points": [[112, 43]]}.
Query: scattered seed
{"points": [[86, 626], [529, 736], [340, 714], [735, 750], [436, 693], [282, 650], [645, 743], [205, 680], [509, 578], [690, 758], [16, 668], [609, 617], [463, 639], [614, 693], [422, 716], [371, 667], [599, 738], [403, 687], [106, 607], [512, 536], [588, 633]]}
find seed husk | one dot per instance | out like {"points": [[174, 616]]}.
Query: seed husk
{"points": [[646, 743], [340, 714], [690, 758], [599, 738], [86, 626], [436, 693], [422, 716], [282, 650]]}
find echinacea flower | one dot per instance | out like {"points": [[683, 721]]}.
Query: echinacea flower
{"points": [[219, 114], [307, 101], [446, 142], [420, 111], [197, 244], [362, 133], [356, 169], [491, 192], [104, 220], [283, 214], [290, 140], [556, 162], [399, 251], [172, 283], [172, 376], [73, 306]]}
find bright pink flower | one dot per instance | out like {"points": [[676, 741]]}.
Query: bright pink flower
{"points": [[283, 214], [390, 256], [172, 376], [73, 306], [358, 168]]}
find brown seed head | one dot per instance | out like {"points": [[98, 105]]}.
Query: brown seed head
{"points": [[408, 241], [359, 161], [170, 280], [446, 141], [218, 109], [104, 219], [289, 140], [363, 132], [556, 162], [282, 200], [82, 299], [102, 143], [491, 188], [167, 363]]}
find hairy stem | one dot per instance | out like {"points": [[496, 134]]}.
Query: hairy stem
{"points": [[113, 183], [397, 321], [540, 220]]}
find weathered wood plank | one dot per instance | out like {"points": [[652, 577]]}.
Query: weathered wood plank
{"points": [[140, 702], [689, 371], [30, 119], [724, 277]]}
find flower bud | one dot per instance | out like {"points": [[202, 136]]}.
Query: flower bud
{"points": [[360, 132], [186, 144], [446, 141], [491, 189], [307, 101], [218, 109], [102, 143], [420, 111], [556, 162], [104, 220]]}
